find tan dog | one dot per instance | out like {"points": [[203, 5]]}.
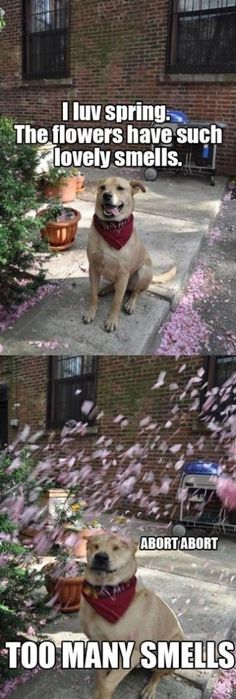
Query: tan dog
{"points": [[115, 250], [111, 562]]}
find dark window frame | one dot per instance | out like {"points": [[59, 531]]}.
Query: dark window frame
{"points": [[80, 381], [4, 415], [172, 65], [31, 37], [211, 379]]}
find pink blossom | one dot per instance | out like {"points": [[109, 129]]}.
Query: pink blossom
{"points": [[165, 486], [25, 434], [226, 490], [86, 406], [160, 380], [127, 485], [118, 418], [175, 448]]}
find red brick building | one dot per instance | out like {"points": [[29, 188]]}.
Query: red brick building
{"points": [[46, 392], [178, 52]]}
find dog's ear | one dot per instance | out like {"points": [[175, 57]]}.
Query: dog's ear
{"points": [[136, 185], [130, 543]]}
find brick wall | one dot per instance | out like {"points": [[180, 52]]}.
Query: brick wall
{"points": [[117, 54], [26, 378], [123, 387]]}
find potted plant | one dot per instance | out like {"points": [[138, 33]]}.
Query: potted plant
{"points": [[64, 579], [58, 182], [60, 225], [70, 517]]}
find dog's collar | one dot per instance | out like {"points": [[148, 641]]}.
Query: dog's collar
{"points": [[110, 601], [116, 233]]}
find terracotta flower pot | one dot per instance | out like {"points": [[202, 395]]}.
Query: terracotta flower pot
{"points": [[79, 184], [65, 190], [80, 547], [68, 592], [61, 234]]}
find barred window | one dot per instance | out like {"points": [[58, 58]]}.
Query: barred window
{"points": [[202, 36], [46, 38], [71, 381], [220, 372]]}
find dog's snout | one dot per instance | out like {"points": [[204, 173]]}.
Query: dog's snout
{"points": [[101, 558], [107, 196]]}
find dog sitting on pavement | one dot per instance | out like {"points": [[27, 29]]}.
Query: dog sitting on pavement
{"points": [[116, 606], [116, 252]]}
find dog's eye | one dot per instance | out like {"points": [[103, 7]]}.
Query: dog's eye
{"points": [[115, 548], [120, 189], [96, 546], [102, 187]]}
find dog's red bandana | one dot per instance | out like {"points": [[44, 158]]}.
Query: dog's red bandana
{"points": [[109, 601], [116, 233]]}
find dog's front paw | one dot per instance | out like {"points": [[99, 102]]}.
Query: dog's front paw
{"points": [[89, 316], [129, 306], [111, 324], [149, 692]]}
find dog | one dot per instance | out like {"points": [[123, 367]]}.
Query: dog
{"points": [[132, 612], [116, 252]]}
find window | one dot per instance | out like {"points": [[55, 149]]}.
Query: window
{"points": [[218, 371], [3, 416], [46, 38], [202, 36], [72, 380]]}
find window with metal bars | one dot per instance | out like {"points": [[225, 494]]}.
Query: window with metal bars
{"points": [[46, 38], [202, 36], [71, 382], [220, 372]]}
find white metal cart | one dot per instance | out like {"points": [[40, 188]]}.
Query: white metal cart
{"points": [[200, 480], [196, 159]]}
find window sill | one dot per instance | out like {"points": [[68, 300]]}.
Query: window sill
{"points": [[198, 77], [92, 430], [46, 82]]}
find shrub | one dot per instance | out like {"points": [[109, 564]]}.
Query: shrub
{"points": [[20, 270], [18, 579]]}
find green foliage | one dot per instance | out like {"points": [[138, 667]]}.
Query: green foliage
{"points": [[19, 580], [20, 270], [54, 176], [2, 19]]}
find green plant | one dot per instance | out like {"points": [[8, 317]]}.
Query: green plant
{"points": [[19, 579], [70, 513], [64, 566], [54, 176], [20, 270], [2, 19], [56, 212]]}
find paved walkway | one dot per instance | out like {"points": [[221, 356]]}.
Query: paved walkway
{"points": [[172, 218]]}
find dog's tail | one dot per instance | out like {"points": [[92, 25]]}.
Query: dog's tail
{"points": [[165, 276]]}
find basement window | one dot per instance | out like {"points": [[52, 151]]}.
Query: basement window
{"points": [[45, 39], [202, 36], [71, 382]]}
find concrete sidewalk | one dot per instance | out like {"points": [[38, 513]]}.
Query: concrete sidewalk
{"points": [[203, 601], [172, 218]]}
